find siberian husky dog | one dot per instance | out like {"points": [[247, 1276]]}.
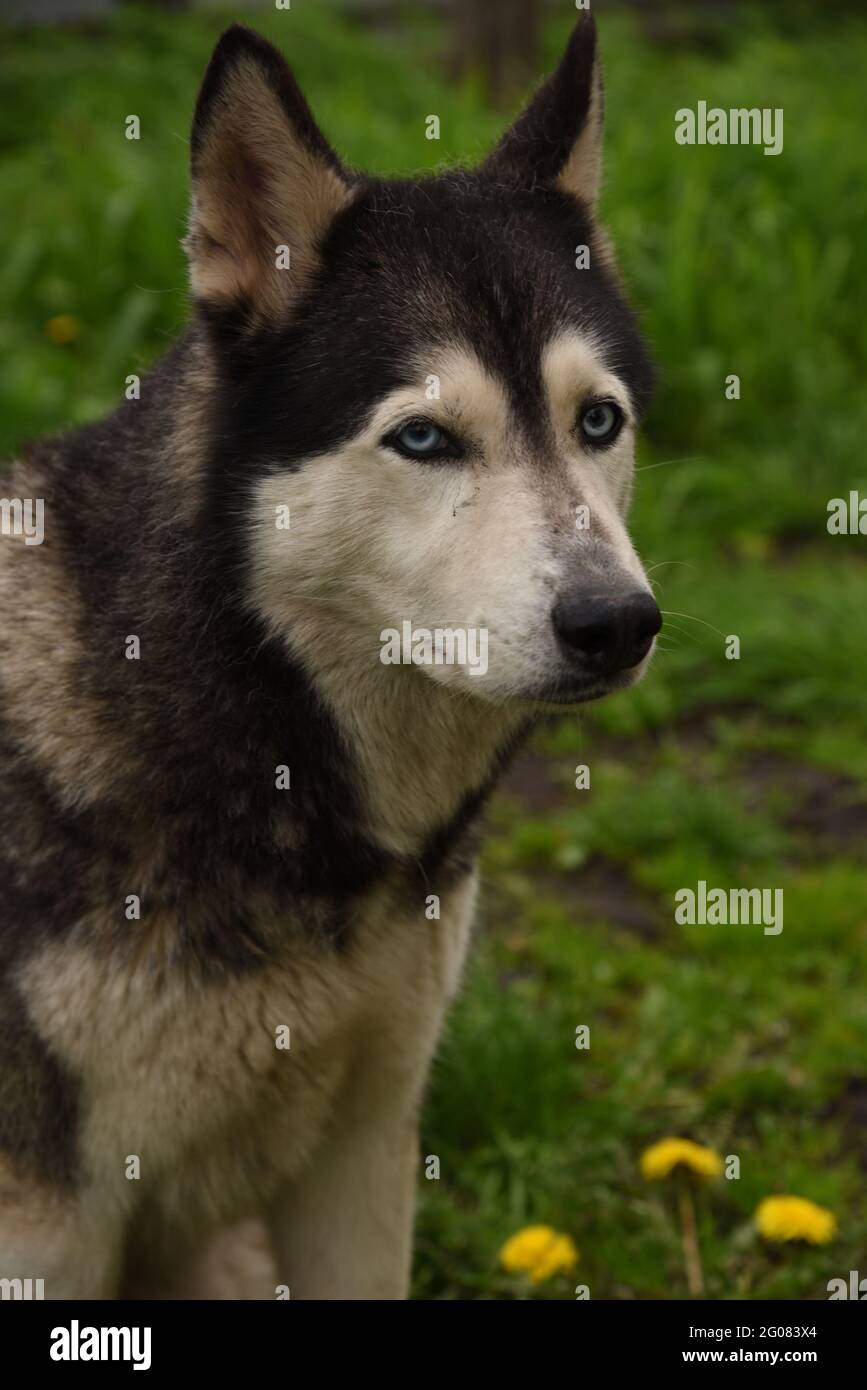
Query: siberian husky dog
{"points": [[239, 792]]}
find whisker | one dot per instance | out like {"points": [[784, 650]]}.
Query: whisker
{"points": [[676, 627], [686, 564], [664, 463], [670, 612]]}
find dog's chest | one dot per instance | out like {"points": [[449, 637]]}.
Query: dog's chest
{"points": [[215, 1094]]}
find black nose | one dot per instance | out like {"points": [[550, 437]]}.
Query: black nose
{"points": [[612, 632]]}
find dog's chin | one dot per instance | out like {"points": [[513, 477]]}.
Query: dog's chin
{"points": [[563, 691], [564, 694], [567, 689], [560, 687]]}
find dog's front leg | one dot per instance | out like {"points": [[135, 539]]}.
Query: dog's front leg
{"points": [[344, 1230], [344, 1227], [62, 1243]]}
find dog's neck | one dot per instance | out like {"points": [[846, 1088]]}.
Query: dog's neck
{"points": [[424, 751]]}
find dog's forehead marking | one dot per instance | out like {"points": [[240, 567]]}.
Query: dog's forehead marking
{"points": [[454, 386], [574, 365]]}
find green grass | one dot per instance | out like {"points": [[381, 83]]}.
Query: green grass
{"points": [[748, 772]]}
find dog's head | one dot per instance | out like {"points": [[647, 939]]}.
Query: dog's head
{"points": [[429, 388]]}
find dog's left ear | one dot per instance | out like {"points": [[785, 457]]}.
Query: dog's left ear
{"points": [[557, 141], [266, 184]]}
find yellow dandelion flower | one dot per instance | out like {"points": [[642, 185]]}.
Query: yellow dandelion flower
{"points": [[795, 1218], [63, 328], [539, 1251], [662, 1158]]}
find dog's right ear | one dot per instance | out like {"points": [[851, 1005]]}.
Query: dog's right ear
{"points": [[266, 184], [557, 140]]}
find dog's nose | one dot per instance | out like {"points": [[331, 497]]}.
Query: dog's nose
{"points": [[612, 632]]}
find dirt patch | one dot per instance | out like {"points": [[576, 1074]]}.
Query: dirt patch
{"points": [[602, 890], [697, 729], [849, 1108], [529, 780], [826, 808]]}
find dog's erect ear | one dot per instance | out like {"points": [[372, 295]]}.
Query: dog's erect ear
{"points": [[265, 182], [557, 140]]}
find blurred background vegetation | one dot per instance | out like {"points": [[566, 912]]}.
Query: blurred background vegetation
{"points": [[746, 773]]}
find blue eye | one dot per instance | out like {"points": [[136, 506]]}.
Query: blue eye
{"points": [[422, 439], [600, 422]]}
